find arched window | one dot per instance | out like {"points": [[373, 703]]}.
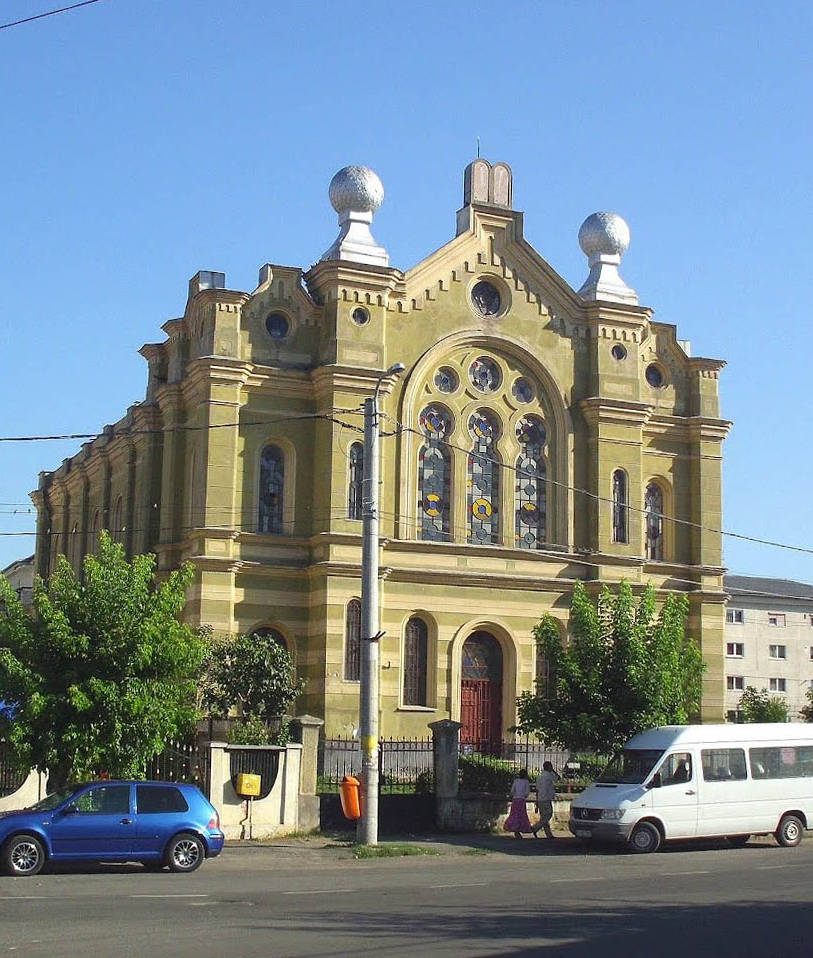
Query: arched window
{"points": [[272, 480], [74, 547], [416, 641], [530, 493], [117, 520], [352, 641], [483, 480], [653, 506], [620, 507], [272, 634], [434, 475], [93, 545], [354, 486], [545, 683]]}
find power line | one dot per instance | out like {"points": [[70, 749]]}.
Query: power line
{"points": [[49, 13]]}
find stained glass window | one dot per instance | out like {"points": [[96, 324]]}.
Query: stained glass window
{"points": [[486, 298], [352, 641], [653, 506], [482, 657], [620, 507], [272, 478], [415, 656], [485, 374], [522, 390], [483, 480], [446, 380], [354, 485], [530, 490], [434, 475]]}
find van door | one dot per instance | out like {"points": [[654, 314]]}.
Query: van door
{"points": [[675, 801], [726, 806]]}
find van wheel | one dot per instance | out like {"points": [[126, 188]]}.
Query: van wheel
{"points": [[790, 831], [645, 839]]}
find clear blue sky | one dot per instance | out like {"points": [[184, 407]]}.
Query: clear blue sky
{"points": [[145, 139]]}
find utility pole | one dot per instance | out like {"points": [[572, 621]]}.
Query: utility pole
{"points": [[367, 832]]}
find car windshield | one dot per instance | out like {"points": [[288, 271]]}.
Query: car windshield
{"points": [[631, 766], [55, 799]]}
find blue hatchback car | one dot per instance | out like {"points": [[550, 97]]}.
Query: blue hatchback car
{"points": [[157, 823]]}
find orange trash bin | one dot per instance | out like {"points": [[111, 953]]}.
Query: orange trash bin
{"points": [[349, 791]]}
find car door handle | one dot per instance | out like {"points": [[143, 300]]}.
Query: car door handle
{"points": [[690, 791], [126, 821]]}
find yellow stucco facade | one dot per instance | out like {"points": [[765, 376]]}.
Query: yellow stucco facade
{"points": [[181, 473]]}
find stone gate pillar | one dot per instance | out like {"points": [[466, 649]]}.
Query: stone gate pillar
{"points": [[445, 754]]}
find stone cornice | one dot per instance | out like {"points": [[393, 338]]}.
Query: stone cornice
{"points": [[706, 368], [328, 380], [625, 412], [331, 280]]}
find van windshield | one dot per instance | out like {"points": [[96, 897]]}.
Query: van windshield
{"points": [[631, 766]]}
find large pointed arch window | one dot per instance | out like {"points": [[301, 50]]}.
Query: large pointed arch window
{"points": [[272, 481], [620, 507], [352, 641], [416, 643], [653, 507], [530, 498], [483, 480], [355, 478], [434, 474]]}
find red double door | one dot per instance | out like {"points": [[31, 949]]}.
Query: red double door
{"points": [[481, 691]]}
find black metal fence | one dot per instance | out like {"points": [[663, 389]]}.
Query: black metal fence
{"points": [[185, 761], [404, 765], [11, 775]]}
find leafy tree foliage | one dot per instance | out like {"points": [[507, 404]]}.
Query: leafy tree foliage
{"points": [[254, 674], [625, 669], [103, 673], [761, 706], [806, 711]]}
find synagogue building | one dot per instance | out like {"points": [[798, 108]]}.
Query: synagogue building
{"points": [[539, 435]]}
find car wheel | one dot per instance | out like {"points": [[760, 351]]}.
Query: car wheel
{"points": [[645, 839], [737, 841], [23, 856], [185, 853], [790, 831]]}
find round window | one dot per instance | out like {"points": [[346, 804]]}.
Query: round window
{"points": [[485, 374], [522, 390], [446, 380], [486, 298], [654, 376], [618, 351], [277, 326], [360, 316]]}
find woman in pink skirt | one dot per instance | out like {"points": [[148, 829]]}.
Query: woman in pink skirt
{"points": [[517, 821]]}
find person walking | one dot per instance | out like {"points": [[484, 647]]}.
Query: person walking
{"points": [[518, 821], [545, 794]]}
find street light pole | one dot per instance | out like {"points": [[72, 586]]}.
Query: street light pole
{"points": [[367, 833]]}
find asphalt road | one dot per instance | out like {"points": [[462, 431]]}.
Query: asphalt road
{"points": [[527, 898]]}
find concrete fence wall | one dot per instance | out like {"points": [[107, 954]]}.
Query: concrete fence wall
{"points": [[31, 791]]}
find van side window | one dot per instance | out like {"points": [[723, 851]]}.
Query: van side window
{"points": [[723, 764], [785, 761], [676, 769]]}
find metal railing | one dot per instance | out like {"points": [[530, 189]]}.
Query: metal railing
{"points": [[12, 776], [405, 766]]}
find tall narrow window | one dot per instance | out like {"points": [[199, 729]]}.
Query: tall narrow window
{"points": [[356, 476], [545, 684], [117, 520], [653, 506], [74, 547], [434, 474], [620, 507], [272, 479], [415, 651], [483, 480], [352, 641], [93, 545], [274, 634], [530, 494]]}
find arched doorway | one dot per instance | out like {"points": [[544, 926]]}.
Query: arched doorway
{"points": [[481, 691]]}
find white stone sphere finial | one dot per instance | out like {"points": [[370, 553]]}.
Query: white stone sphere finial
{"points": [[355, 193], [604, 238], [356, 189]]}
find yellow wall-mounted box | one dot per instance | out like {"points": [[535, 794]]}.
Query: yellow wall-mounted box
{"points": [[247, 784]]}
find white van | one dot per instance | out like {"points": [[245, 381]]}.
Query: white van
{"points": [[696, 781]]}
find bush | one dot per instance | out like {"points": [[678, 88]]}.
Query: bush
{"points": [[481, 773]]}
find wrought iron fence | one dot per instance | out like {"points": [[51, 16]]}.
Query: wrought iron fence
{"points": [[185, 761], [491, 766], [405, 766], [11, 775]]}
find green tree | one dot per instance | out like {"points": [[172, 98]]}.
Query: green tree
{"points": [[806, 711], [103, 673], [761, 706], [625, 669], [254, 674]]}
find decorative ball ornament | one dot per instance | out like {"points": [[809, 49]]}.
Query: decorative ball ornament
{"points": [[356, 189], [604, 234]]}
